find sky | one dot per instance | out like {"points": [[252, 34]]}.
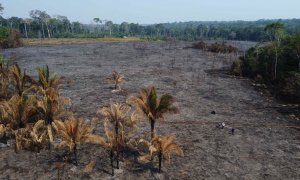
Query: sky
{"points": [[157, 11]]}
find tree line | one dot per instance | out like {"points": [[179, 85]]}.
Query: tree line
{"points": [[42, 25], [275, 63]]}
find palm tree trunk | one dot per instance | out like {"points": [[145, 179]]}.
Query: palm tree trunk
{"points": [[152, 121], [75, 154], [117, 149], [159, 161], [58, 174], [117, 159], [112, 161]]}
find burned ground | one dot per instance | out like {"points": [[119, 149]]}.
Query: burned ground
{"points": [[263, 147]]}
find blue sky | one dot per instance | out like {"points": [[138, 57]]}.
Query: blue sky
{"points": [[157, 11]]}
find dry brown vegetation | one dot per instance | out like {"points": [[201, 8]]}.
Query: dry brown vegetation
{"points": [[117, 79], [215, 47], [35, 108], [59, 41]]}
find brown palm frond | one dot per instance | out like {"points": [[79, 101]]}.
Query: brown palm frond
{"points": [[47, 80], [161, 146], [117, 79], [22, 83], [73, 131], [118, 117], [17, 111], [31, 138], [51, 106], [89, 167], [5, 92], [116, 112], [5, 130]]}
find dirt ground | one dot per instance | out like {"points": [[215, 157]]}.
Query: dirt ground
{"points": [[263, 147]]}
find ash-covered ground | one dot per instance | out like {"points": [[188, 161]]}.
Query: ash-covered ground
{"points": [[262, 147]]}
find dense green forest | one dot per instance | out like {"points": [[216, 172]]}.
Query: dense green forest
{"points": [[276, 63], [42, 25]]}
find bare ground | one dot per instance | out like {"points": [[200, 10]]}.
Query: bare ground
{"points": [[261, 148]]}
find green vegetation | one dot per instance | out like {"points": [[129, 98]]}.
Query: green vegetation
{"points": [[42, 25], [9, 38], [277, 63]]}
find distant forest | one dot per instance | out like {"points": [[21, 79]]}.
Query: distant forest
{"points": [[42, 25]]}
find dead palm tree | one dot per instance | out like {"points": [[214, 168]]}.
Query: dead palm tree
{"points": [[162, 147], [50, 107], [117, 79], [117, 116], [17, 111], [20, 81], [109, 143], [32, 138], [4, 83], [5, 132], [73, 132], [4, 78], [46, 80], [154, 108]]}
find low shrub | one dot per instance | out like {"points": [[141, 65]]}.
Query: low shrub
{"points": [[215, 47], [9, 38], [289, 87], [222, 48], [236, 68], [199, 45]]}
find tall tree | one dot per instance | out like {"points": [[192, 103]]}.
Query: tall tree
{"points": [[35, 14], [275, 32], [1, 8], [109, 24], [97, 21], [43, 18], [296, 47], [26, 22], [124, 27]]}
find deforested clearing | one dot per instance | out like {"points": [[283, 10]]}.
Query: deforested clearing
{"points": [[225, 127]]}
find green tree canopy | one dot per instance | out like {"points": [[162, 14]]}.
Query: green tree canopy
{"points": [[275, 31], [1, 8]]}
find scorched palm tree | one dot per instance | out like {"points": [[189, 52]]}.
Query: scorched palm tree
{"points": [[162, 146], [153, 107]]}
